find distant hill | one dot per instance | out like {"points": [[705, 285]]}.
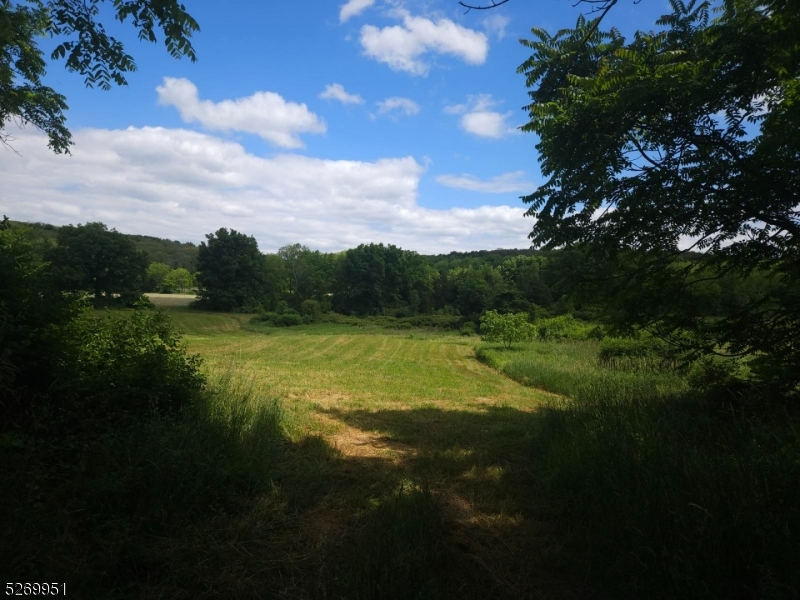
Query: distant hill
{"points": [[476, 258], [175, 254]]}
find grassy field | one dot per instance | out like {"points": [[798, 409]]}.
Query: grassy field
{"points": [[352, 461], [400, 421]]}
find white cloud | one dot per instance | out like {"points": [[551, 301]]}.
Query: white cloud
{"points": [[353, 8], [397, 105], [182, 184], [265, 114], [336, 91], [495, 25], [500, 184], [478, 119], [402, 46]]}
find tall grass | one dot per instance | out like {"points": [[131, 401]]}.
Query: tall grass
{"points": [[667, 494], [148, 510]]}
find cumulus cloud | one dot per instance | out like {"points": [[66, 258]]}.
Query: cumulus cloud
{"points": [[499, 184], [478, 119], [398, 106], [265, 114], [403, 46], [495, 25], [182, 184], [353, 8], [336, 91]]}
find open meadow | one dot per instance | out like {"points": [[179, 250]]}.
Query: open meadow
{"points": [[446, 467], [398, 430], [355, 461]]}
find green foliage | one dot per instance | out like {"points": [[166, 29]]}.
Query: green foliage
{"points": [[58, 362], [178, 280], [92, 259], [507, 328], [663, 494], [642, 352], [287, 318], [232, 273], [564, 327], [313, 309], [157, 495], [468, 328], [376, 279], [471, 290], [173, 253], [309, 274], [683, 133], [87, 50], [156, 273], [32, 314], [130, 362]]}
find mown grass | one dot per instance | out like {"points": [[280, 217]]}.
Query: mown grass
{"points": [[666, 494]]}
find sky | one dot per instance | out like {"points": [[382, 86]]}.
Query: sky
{"points": [[321, 123]]}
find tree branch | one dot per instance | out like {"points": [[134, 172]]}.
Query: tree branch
{"points": [[471, 7]]}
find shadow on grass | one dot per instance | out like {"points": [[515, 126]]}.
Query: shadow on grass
{"points": [[479, 472], [609, 499], [226, 505], [501, 503]]}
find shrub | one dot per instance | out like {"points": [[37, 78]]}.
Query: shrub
{"points": [[311, 309], [637, 353], [564, 327], [507, 329], [132, 362], [289, 318]]}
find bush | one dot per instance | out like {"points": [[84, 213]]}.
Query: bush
{"points": [[132, 362], [311, 309], [508, 328], [289, 318], [638, 353], [564, 327]]}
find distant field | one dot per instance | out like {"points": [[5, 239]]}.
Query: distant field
{"points": [[171, 300]]}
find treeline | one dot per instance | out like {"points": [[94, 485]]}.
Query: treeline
{"points": [[230, 273], [372, 279], [379, 279]]}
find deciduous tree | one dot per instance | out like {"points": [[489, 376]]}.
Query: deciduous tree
{"points": [[232, 272], [156, 273], [103, 262], [682, 137], [86, 48]]}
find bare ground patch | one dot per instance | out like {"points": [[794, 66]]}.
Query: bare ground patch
{"points": [[357, 443]]}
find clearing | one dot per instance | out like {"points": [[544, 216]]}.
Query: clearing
{"points": [[399, 411]]}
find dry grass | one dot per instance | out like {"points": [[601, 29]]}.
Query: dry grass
{"points": [[171, 300]]}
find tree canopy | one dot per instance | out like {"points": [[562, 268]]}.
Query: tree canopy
{"points": [[86, 49], [232, 273], [685, 137], [100, 261]]}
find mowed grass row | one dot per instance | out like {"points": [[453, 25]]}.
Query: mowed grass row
{"points": [[323, 364]]}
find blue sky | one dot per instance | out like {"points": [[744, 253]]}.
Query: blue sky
{"points": [[313, 122]]}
